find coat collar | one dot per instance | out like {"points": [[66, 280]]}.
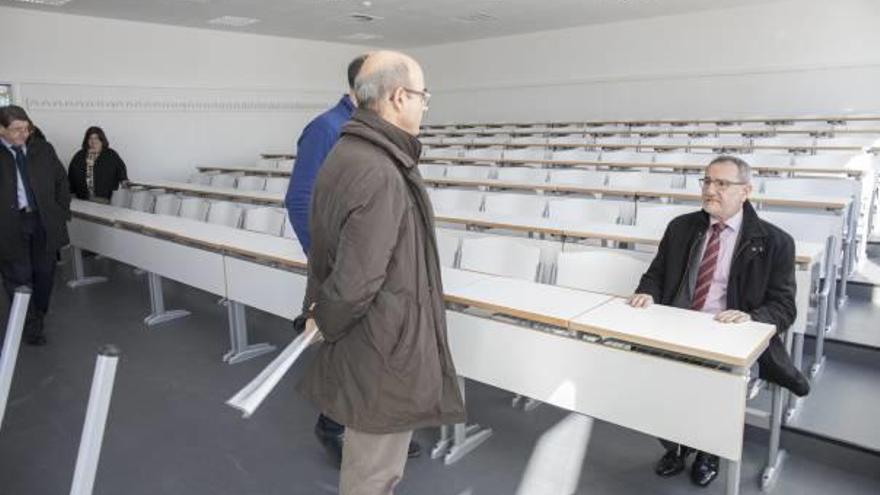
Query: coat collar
{"points": [[751, 226], [402, 146]]}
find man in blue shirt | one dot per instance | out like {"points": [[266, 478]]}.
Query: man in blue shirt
{"points": [[313, 145]]}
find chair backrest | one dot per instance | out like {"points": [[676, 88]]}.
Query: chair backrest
{"points": [[627, 157], [266, 220], [223, 180], [528, 139], [644, 180], [429, 171], [862, 142], [682, 159], [710, 144], [277, 184], [287, 231], [768, 159], [167, 204], [489, 155], [251, 183], [492, 138], [618, 141], [194, 209], [224, 213], [568, 139], [796, 187], [143, 201], [830, 160], [456, 199], [576, 155], [585, 178], [785, 142], [121, 198], [665, 142], [609, 271], [525, 155], [523, 175], [442, 152], [502, 256], [201, 178], [266, 163], [578, 210], [448, 244], [473, 172], [659, 215], [515, 204]]}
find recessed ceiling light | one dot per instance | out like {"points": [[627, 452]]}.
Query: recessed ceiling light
{"points": [[361, 17], [362, 37], [51, 3], [234, 21]]}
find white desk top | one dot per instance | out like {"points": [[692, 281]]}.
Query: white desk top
{"points": [[529, 300], [246, 169], [455, 279], [688, 332], [232, 194]]}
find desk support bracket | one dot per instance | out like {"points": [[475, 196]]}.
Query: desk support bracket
{"points": [[79, 272], [240, 350], [456, 441], [158, 312]]}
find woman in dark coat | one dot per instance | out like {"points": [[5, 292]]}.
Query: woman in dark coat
{"points": [[96, 170]]}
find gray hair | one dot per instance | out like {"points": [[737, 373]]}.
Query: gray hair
{"points": [[370, 89], [743, 169]]}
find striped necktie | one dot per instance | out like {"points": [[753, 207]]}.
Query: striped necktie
{"points": [[707, 267]]}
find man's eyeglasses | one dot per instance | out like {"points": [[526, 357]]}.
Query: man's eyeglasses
{"points": [[720, 184], [425, 95]]}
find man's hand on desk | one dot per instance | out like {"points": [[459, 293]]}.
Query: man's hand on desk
{"points": [[640, 300], [732, 316]]}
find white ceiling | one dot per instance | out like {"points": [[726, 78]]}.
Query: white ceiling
{"points": [[403, 23]]}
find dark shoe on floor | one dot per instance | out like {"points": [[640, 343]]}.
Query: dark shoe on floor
{"points": [[415, 449], [672, 462], [705, 469]]}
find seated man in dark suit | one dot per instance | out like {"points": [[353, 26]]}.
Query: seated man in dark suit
{"points": [[726, 261]]}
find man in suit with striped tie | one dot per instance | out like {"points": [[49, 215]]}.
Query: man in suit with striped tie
{"points": [[726, 261]]}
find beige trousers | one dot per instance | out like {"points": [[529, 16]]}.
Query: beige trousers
{"points": [[372, 464]]}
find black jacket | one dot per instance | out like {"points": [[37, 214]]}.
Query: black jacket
{"points": [[761, 282], [49, 183], [109, 172]]}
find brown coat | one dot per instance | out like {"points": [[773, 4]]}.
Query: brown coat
{"points": [[374, 276]]}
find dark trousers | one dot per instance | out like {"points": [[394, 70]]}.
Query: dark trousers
{"points": [[35, 270], [328, 427]]}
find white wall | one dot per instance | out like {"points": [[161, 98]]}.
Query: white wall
{"points": [[792, 57], [168, 97]]}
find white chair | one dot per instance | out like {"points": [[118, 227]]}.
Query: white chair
{"points": [[673, 159], [429, 171], [224, 213], [579, 210], [847, 144], [525, 155], [528, 139], [201, 178], [287, 231], [285, 165], [440, 153], [468, 139], [522, 175], [584, 178], [484, 155], [456, 199], [492, 139], [645, 180], [719, 144], [194, 209], [223, 180], [501, 256], [665, 143], [448, 244], [167, 204], [277, 184], [618, 142], [515, 204], [576, 155], [790, 143], [251, 183], [658, 216], [568, 139], [608, 271], [143, 201], [768, 159], [610, 158], [266, 163], [121, 198], [832, 160], [266, 220], [468, 172]]}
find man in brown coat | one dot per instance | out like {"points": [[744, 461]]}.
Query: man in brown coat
{"points": [[374, 284]]}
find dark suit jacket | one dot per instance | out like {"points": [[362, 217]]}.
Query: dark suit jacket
{"points": [[761, 281], [48, 180], [109, 172]]}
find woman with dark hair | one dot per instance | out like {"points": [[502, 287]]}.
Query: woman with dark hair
{"points": [[96, 170]]}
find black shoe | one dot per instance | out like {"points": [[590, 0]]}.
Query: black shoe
{"points": [[415, 450], [36, 340], [776, 366], [705, 469], [672, 462], [332, 443]]}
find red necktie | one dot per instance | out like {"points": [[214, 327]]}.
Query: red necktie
{"points": [[707, 267]]}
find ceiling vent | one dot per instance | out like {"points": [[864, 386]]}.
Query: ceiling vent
{"points": [[364, 18]]}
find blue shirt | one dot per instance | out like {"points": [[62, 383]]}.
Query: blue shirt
{"points": [[21, 192], [312, 147]]}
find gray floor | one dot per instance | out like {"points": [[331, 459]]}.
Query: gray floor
{"points": [[170, 433]]}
